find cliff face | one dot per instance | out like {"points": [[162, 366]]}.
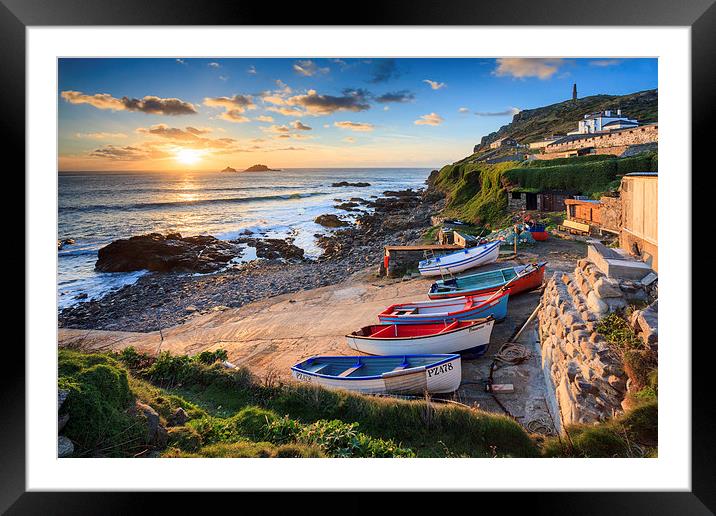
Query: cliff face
{"points": [[533, 124]]}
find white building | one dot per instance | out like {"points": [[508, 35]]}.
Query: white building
{"points": [[604, 121]]}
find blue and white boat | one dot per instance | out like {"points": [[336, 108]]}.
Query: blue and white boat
{"points": [[395, 374], [460, 260]]}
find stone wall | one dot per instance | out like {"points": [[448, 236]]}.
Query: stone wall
{"points": [[611, 213], [623, 138], [587, 376]]}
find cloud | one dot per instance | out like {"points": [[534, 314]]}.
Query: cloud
{"points": [[174, 133], [522, 67], [99, 135], [429, 119], [605, 62], [290, 149], [127, 153], [396, 96], [463, 110], [511, 112], [277, 129], [148, 104], [264, 118], [317, 104], [384, 70], [234, 107], [355, 126], [224, 77], [214, 65], [308, 68], [287, 111], [434, 84], [300, 126], [349, 139]]}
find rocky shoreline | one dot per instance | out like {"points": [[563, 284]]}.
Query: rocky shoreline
{"points": [[163, 299]]}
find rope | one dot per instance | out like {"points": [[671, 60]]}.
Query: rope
{"points": [[540, 425], [512, 354]]}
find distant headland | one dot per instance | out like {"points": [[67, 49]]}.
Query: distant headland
{"points": [[254, 168]]}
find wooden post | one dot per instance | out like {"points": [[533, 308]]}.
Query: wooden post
{"points": [[516, 235]]}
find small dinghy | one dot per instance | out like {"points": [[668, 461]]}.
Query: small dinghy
{"points": [[460, 308], [399, 374], [521, 278], [461, 260], [445, 337]]}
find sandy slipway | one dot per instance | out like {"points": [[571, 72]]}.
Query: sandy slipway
{"points": [[165, 299]]}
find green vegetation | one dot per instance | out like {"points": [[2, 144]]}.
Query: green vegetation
{"points": [[476, 192], [584, 175], [632, 434], [232, 414]]}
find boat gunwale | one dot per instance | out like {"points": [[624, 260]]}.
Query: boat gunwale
{"points": [[449, 358], [448, 315], [464, 292], [479, 323], [431, 267]]}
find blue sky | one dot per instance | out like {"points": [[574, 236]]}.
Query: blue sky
{"points": [[174, 113]]}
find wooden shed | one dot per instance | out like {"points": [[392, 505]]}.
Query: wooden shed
{"points": [[584, 210], [640, 203]]}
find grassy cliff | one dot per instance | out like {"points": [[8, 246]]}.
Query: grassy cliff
{"points": [[477, 192], [532, 125], [232, 414]]}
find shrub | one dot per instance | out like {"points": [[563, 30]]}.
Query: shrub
{"points": [[98, 402], [185, 438]]}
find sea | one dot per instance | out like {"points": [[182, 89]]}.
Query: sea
{"points": [[97, 208]]}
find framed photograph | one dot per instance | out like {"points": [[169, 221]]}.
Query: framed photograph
{"points": [[419, 252]]}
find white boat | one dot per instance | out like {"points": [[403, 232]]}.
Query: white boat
{"points": [[461, 260], [445, 337], [400, 374]]}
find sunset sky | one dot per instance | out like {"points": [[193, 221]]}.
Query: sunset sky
{"points": [[206, 114]]}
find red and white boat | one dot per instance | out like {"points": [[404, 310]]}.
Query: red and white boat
{"points": [[432, 338]]}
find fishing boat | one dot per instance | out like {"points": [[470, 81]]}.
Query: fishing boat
{"points": [[460, 260], [521, 278], [454, 308], [470, 337], [396, 374], [539, 232]]}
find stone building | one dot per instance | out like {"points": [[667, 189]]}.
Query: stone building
{"points": [[503, 142], [607, 142], [546, 200]]}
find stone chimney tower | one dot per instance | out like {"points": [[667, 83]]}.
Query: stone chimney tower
{"points": [[574, 91]]}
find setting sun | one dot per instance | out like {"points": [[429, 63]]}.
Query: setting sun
{"points": [[188, 156]]}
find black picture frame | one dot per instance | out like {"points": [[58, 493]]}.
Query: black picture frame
{"points": [[699, 15]]}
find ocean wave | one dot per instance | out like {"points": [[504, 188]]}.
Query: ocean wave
{"points": [[194, 202]]}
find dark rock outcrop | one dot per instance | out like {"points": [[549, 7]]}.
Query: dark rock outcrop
{"points": [[360, 184], [330, 221], [170, 253], [272, 248]]}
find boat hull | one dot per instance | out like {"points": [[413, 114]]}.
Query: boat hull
{"points": [[443, 376], [493, 305], [526, 283], [472, 339], [460, 261]]}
